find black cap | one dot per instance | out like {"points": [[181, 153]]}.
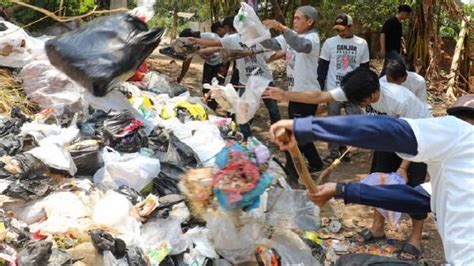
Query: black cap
{"points": [[342, 21]]}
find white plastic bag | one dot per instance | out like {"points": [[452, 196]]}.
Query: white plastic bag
{"points": [[17, 48], [50, 88], [156, 231], [55, 157], [226, 96], [110, 260], [250, 100], [131, 169], [249, 26]]}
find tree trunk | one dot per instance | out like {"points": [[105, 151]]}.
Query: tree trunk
{"points": [[278, 13], [174, 31], [451, 92], [304, 2]]}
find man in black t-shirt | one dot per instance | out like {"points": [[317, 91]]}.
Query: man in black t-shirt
{"points": [[391, 36]]}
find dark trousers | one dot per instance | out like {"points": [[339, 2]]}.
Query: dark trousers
{"points": [[297, 110], [389, 162]]}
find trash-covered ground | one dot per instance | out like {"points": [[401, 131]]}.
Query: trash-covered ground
{"points": [[147, 175]]}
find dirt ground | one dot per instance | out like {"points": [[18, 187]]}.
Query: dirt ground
{"points": [[355, 217]]}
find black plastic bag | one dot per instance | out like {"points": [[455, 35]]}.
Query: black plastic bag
{"points": [[30, 189], [104, 52], [164, 185], [131, 194], [104, 241], [35, 253], [11, 145], [169, 149], [124, 133], [24, 166], [93, 126], [86, 157], [18, 236], [136, 257], [12, 125]]}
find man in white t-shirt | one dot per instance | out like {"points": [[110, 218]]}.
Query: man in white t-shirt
{"points": [[302, 53], [396, 72], [446, 144], [340, 55], [247, 66]]}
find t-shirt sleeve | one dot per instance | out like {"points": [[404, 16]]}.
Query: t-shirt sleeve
{"points": [[436, 138], [325, 51], [230, 42], [281, 40], [209, 36], [365, 53], [338, 95]]}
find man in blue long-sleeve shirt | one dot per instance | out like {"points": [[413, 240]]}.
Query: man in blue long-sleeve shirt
{"points": [[445, 144]]}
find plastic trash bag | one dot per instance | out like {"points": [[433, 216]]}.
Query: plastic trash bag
{"points": [[164, 185], [202, 243], [136, 257], [50, 88], [157, 231], [291, 209], [250, 100], [8, 254], [12, 125], [112, 48], [133, 170], [17, 48], [55, 157], [11, 145], [35, 253], [235, 244], [249, 26], [103, 241], [145, 9], [385, 179], [59, 257], [291, 248], [111, 260], [131, 194], [124, 133], [29, 189], [86, 157], [226, 96]]}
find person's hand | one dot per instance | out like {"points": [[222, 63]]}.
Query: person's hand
{"points": [[193, 40], [273, 24], [325, 192], [274, 93], [288, 126], [403, 173]]}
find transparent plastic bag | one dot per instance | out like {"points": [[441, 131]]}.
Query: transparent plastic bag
{"points": [[157, 231], [110, 260], [249, 26], [291, 209], [291, 248]]}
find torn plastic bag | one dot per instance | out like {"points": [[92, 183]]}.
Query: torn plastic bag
{"points": [[103, 241], [94, 124], [35, 253], [12, 125], [164, 185], [202, 243], [133, 170], [136, 257], [17, 48], [169, 149], [249, 26], [250, 100], [157, 231], [159, 84], [22, 165], [50, 88], [291, 209], [226, 96], [111, 260], [30, 189], [86, 157], [11, 145], [292, 249], [112, 48], [59, 257], [124, 133], [172, 170], [55, 157], [18, 233]]}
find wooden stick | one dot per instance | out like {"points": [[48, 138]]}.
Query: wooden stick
{"points": [[284, 136], [328, 171], [451, 92]]}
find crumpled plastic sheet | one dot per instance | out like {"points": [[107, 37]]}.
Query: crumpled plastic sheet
{"points": [[291, 209], [35, 253], [203, 247], [155, 231]]}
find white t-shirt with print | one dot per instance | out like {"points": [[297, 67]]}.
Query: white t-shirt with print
{"points": [[302, 68], [446, 145], [344, 55], [415, 83], [213, 59], [395, 101], [247, 65]]}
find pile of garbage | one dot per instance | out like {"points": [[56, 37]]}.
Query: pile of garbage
{"points": [[143, 175]]}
